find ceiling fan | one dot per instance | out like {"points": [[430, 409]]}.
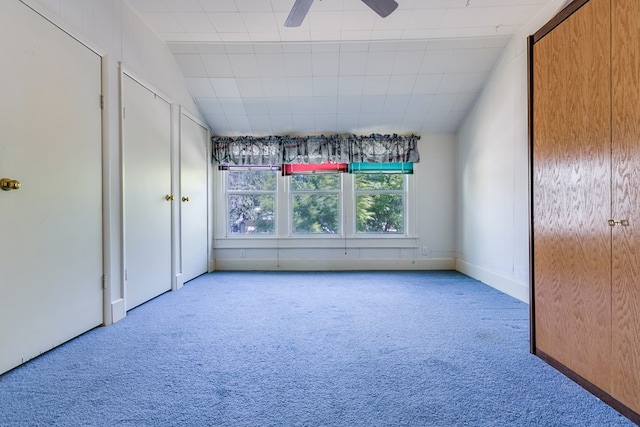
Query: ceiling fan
{"points": [[301, 8]]}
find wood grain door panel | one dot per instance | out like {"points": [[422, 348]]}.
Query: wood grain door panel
{"points": [[572, 193], [626, 202]]}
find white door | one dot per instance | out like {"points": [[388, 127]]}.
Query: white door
{"points": [[146, 183], [193, 197], [51, 227]]}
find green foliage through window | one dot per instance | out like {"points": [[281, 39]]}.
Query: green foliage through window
{"points": [[379, 203]]}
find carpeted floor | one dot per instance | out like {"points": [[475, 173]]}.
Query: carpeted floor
{"points": [[306, 349]]}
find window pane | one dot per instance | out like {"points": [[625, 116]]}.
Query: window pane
{"points": [[315, 213], [381, 181], [379, 213], [251, 180], [315, 182], [251, 213]]}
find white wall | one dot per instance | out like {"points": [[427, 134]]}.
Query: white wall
{"points": [[116, 32], [492, 167], [432, 223]]}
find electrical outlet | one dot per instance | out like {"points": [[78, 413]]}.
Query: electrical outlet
{"points": [[243, 253], [425, 251]]}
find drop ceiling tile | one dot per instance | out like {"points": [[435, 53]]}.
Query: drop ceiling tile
{"points": [[350, 85], [147, 5], [253, 6], [300, 86], [443, 102], [349, 104], [211, 48], [301, 105], [200, 87], [217, 65], [346, 123], [298, 64], [464, 101], [217, 5], [239, 48], [209, 106], [232, 106], [328, 47], [250, 87], [420, 103], [427, 84], [163, 22], [357, 21], [270, 64], [373, 104], [205, 37], [235, 37], [239, 124], [475, 82], [325, 86], [275, 86], [353, 63], [354, 47], [401, 84], [282, 123], [267, 48], [219, 124], [453, 82], [279, 105], [407, 62], [325, 64], [304, 122], [244, 65], [296, 47], [396, 103], [380, 63], [191, 65], [260, 22], [193, 22], [325, 123], [427, 18], [325, 104], [225, 87], [375, 85], [226, 22], [260, 124], [320, 22], [435, 61], [255, 106], [183, 5], [473, 60]]}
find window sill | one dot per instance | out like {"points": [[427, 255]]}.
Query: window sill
{"points": [[317, 242]]}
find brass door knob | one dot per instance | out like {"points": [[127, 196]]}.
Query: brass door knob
{"points": [[185, 199], [8, 184], [168, 197]]}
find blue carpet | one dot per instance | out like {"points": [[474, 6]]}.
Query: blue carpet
{"points": [[306, 349]]}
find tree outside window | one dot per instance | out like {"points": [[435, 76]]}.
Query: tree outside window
{"points": [[315, 201], [251, 196], [379, 203]]}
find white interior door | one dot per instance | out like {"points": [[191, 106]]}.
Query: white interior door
{"points": [[146, 183], [193, 198], [51, 227]]}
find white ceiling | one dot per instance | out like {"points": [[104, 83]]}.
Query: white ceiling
{"points": [[344, 70]]}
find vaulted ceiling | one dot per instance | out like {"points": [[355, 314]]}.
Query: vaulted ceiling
{"points": [[344, 70]]}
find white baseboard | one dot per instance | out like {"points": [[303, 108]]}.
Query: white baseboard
{"points": [[118, 311], [334, 264], [509, 286], [179, 283]]}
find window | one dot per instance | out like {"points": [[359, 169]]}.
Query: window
{"points": [[315, 204], [318, 203], [379, 203], [251, 201]]}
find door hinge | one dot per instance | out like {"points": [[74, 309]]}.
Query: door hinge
{"points": [[104, 281], [102, 102], [125, 274]]}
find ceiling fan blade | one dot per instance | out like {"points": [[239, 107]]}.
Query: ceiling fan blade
{"points": [[382, 7], [298, 12]]}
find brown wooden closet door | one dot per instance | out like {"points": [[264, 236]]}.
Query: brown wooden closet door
{"points": [[626, 202], [571, 193]]}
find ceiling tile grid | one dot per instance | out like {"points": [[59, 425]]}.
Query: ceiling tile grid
{"points": [[343, 70]]}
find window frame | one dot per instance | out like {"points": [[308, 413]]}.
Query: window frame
{"points": [[403, 192]]}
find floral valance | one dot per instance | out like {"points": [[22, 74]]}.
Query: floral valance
{"points": [[275, 150]]}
